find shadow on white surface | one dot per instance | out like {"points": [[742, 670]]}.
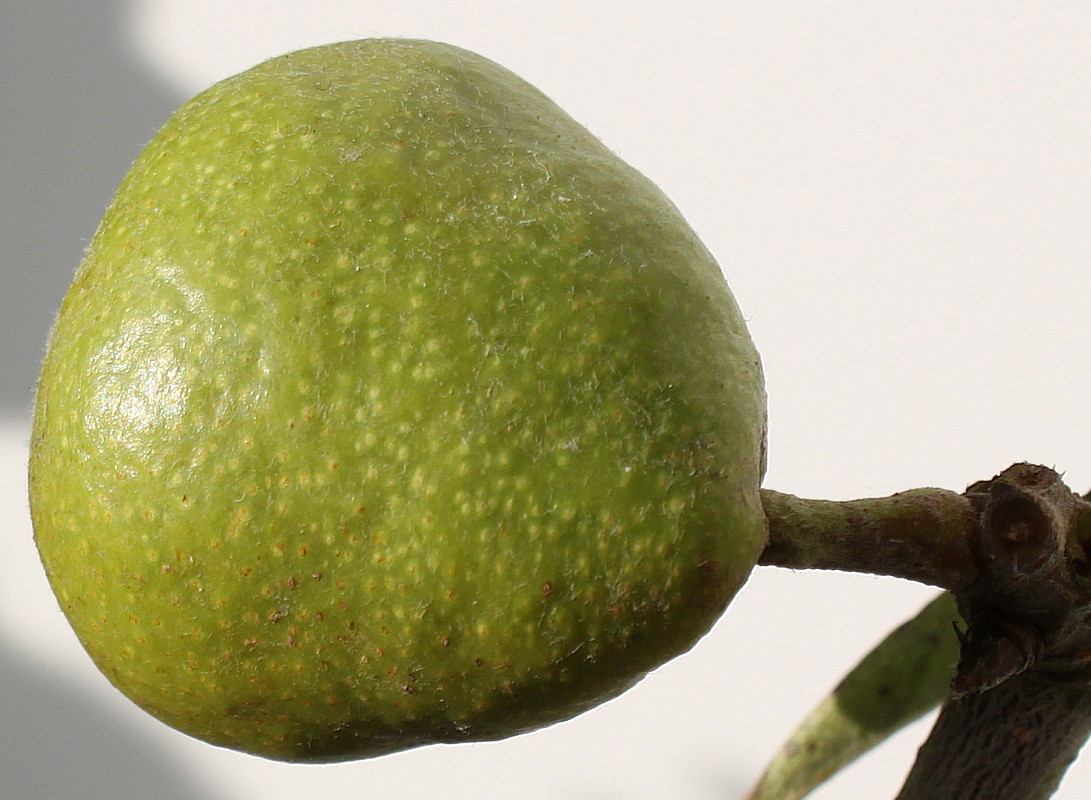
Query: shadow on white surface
{"points": [[75, 108], [58, 742]]}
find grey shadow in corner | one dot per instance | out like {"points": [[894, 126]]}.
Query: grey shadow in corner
{"points": [[55, 742], [75, 109]]}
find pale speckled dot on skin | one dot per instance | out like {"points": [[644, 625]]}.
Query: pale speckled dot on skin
{"points": [[389, 407]]}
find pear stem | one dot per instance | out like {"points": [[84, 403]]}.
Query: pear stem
{"points": [[1016, 553], [924, 535]]}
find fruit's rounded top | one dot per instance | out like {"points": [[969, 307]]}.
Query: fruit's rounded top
{"points": [[388, 406]]}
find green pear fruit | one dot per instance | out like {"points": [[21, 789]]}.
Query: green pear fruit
{"points": [[389, 407]]}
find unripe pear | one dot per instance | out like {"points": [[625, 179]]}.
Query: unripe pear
{"points": [[388, 407]]}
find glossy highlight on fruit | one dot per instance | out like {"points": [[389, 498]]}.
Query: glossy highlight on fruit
{"points": [[389, 407]]}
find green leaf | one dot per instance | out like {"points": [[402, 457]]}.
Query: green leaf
{"points": [[903, 678]]}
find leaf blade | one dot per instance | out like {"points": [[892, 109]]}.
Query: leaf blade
{"points": [[901, 679]]}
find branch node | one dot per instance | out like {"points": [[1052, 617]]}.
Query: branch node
{"points": [[993, 651]]}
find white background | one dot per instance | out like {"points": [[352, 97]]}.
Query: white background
{"points": [[898, 195]]}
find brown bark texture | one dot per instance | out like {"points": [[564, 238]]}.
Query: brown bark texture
{"points": [[1016, 553]]}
